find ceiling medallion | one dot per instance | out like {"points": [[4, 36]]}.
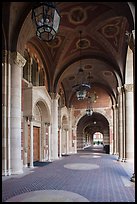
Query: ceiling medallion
{"points": [[55, 43], [83, 44], [88, 66], [107, 73], [110, 30], [77, 15]]}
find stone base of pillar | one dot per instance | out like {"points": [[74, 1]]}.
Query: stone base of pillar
{"points": [[123, 160], [31, 166], [17, 167], [4, 173], [118, 159], [13, 172], [133, 178]]}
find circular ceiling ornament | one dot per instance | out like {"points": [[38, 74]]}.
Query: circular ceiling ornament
{"points": [[88, 66], [107, 73], [83, 43], [110, 30], [77, 15], [55, 43]]}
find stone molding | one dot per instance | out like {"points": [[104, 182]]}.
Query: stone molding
{"points": [[4, 55], [54, 96], [18, 59], [128, 87], [47, 124], [120, 89], [114, 106]]}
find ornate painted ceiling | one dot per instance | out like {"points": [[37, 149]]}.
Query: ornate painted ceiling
{"points": [[103, 43]]}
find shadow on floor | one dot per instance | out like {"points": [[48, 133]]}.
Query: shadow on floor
{"points": [[40, 164]]}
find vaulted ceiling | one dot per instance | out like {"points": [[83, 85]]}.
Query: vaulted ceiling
{"points": [[103, 44]]}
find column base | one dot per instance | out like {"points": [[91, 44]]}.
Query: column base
{"points": [[133, 178], [13, 172], [123, 160]]}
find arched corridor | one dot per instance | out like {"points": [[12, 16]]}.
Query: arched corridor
{"points": [[68, 88]]}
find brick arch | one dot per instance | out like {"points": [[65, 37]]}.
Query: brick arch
{"points": [[102, 125]]}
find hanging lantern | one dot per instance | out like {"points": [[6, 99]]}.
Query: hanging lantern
{"points": [[81, 94], [46, 19], [81, 86], [89, 112]]}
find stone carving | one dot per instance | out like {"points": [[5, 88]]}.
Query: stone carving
{"points": [[18, 59], [128, 87]]}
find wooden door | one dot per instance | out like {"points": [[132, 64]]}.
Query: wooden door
{"points": [[36, 146], [35, 143]]}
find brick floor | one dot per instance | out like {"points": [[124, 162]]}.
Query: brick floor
{"points": [[108, 183]]}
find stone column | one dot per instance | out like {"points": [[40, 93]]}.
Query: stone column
{"points": [[31, 142], [16, 76], [114, 130], [6, 113], [25, 142], [75, 138], [67, 140], [43, 125], [124, 130], [60, 142], [54, 127], [111, 135], [117, 131], [132, 47], [120, 123], [129, 122], [48, 134], [42, 142]]}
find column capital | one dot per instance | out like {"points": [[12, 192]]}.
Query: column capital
{"points": [[4, 55], [54, 95], [120, 89], [131, 39], [47, 124], [128, 87], [30, 118], [18, 59], [114, 106]]}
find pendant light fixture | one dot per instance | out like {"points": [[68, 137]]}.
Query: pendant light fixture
{"points": [[46, 19], [91, 99], [81, 87]]}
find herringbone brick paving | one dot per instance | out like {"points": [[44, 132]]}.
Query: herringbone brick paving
{"points": [[104, 184]]}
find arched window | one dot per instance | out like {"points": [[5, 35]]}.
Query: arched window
{"points": [[32, 72]]}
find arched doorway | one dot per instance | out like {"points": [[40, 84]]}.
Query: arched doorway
{"points": [[90, 125], [98, 138]]}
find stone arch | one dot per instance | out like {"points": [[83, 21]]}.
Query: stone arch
{"points": [[43, 109], [41, 117], [102, 125]]}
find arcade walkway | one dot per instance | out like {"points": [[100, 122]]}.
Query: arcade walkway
{"points": [[88, 176]]}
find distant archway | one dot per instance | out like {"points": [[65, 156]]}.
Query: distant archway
{"points": [[88, 126]]}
